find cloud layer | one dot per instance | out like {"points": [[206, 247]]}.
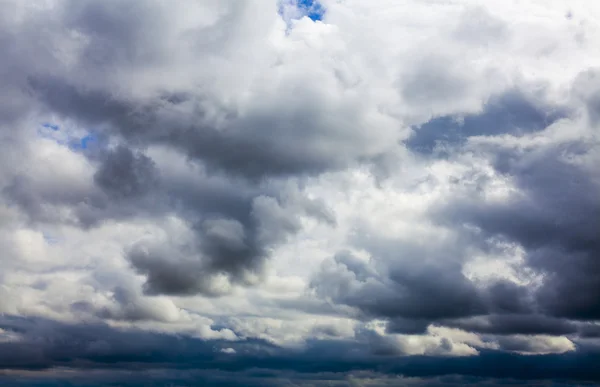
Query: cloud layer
{"points": [[306, 193]]}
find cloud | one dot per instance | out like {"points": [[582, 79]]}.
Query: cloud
{"points": [[509, 113], [517, 324], [551, 215], [124, 174], [299, 193], [89, 347], [219, 252]]}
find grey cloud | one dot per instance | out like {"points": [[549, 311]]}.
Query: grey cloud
{"points": [[235, 224], [590, 330], [259, 378], [311, 132], [124, 174], [531, 344], [508, 297], [235, 248], [511, 324], [19, 191], [414, 294], [586, 88], [317, 208], [414, 282], [434, 293], [130, 306], [379, 345], [170, 272], [21, 40], [328, 330], [513, 112], [90, 106], [41, 202], [555, 219], [45, 345], [301, 139], [407, 326], [223, 246], [431, 81], [131, 25]]}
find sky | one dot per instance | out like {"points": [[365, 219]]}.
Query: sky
{"points": [[341, 193]]}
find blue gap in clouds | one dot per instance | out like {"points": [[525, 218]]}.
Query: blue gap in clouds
{"points": [[85, 140], [50, 130], [311, 8], [511, 113], [51, 126], [83, 143]]}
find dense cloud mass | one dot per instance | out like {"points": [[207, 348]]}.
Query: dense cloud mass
{"points": [[299, 192]]}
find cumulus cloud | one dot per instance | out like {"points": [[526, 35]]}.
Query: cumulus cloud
{"points": [[295, 192]]}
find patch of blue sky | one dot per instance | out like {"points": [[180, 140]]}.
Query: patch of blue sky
{"points": [[52, 132], [291, 10], [312, 9], [76, 140], [83, 143], [51, 126]]}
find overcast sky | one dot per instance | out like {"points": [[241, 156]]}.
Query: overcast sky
{"points": [[299, 193]]}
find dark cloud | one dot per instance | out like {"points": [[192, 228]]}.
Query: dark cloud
{"points": [[21, 193], [413, 284], [407, 326], [430, 293], [511, 324], [44, 345], [235, 222], [105, 24], [40, 202], [124, 174], [128, 305], [234, 247], [590, 330], [414, 294], [92, 107], [257, 378], [512, 112], [299, 140], [311, 132], [508, 297], [554, 217], [135, 180]]}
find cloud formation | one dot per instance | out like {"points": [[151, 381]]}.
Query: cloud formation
{"points": [[299, 193]]}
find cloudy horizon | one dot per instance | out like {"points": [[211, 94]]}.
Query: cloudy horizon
{"points": [[299, 193]]}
